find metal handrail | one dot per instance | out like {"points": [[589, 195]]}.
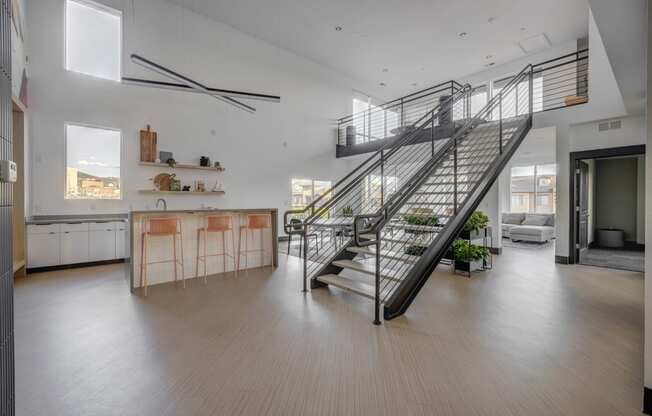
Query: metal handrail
{"points": [[394, 145], [406, 99]]}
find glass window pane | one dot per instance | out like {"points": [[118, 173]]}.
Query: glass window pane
{"points": [[322, 187], [92, 163], [522, 189], [479, 97], [301, 193], [546, 183], [93, 39]]}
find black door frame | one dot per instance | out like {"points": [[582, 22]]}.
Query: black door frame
{"points": [[573, 220]]}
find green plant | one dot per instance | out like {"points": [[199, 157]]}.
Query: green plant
{"points": [[421, 219], [463, 251], [347, 211], [476, 222]]}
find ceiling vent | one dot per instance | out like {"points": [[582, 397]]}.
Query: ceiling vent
{"points": [[603, 126], [534, 43]]}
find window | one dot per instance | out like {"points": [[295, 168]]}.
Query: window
{"points": [[374, 193], [304, 191], [372, 122], [534, 189], [479, 98], [92, 162], [93, 39]]}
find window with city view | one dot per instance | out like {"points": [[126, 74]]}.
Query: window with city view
{"points": [[304, 191], [92, 162], [534, 189]]}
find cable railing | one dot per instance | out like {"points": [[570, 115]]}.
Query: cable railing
{"points": [[443, 187], [557, 83], [366, 189], [392, 118]]}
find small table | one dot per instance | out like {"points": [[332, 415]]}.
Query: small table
{"points": [[611, 237]]}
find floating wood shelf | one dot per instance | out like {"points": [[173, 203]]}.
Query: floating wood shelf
{"points": [[181, 166], [152, 191]]}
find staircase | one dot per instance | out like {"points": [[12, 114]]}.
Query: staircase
{"points": [[387, 225]]}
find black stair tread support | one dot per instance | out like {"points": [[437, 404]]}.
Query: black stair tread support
{"points": [[403, 296]]}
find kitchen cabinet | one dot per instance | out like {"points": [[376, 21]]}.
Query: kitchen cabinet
{"points": [[43, 245], [121, 241], [74, 247], [101, 242]]}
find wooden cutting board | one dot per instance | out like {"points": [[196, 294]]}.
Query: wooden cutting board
{"points": [[148, 140]]}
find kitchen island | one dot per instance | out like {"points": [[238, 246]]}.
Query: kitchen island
{"points": [[190, 242]]}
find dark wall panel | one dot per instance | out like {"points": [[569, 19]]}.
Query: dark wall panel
{"points": [[7, 395]]}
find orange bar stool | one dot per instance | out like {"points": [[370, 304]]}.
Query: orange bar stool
{"points": [[216, 224], [255, 222], [156, 228]]}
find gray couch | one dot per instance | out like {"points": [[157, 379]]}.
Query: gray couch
{"points": [[528, 227]]}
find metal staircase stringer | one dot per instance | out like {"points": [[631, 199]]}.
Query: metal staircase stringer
{"points": [[405, 294]]}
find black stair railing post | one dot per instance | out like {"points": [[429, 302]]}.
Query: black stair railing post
{"points": [[369, 121], [455, 174], [402, 115], [432, 133], [500, 122], [377, 285], [305, 257], [382, 177], [531, 91]]}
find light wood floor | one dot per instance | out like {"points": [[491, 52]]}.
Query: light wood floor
{"points": [[528, 338]]}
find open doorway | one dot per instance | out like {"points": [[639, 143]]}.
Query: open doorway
{"points": [[608, 208]]}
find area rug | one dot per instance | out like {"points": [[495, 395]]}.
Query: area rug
{"points": [[526, 244]]}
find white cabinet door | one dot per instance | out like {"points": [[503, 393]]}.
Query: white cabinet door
{"points": [[121, 244], [43, 249], [102, 244], [74, 247]]}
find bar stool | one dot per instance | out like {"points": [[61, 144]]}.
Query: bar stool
{"points": [[216, 224], [160, 227], [255, 222]]}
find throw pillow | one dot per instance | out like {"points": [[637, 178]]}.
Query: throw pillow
{"points": [[533, 219]]}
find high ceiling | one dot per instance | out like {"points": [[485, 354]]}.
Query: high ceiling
{"points": [[405, 44]]}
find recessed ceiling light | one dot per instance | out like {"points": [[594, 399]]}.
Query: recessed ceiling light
{"points": [[488, 56], [462, 34], [414, 84], [385, 70], [491, 19], [338, 28], [490, 64], [523, 29], [382, 84]]}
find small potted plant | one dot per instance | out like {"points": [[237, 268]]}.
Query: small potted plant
{"points": [[469, 257], [420, 222], [347, 211], [477, 222]]}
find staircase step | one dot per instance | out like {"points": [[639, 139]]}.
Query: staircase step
{"points": [[439, 193], [362, 268], [449, 183], [384, 254], [359, 288]]}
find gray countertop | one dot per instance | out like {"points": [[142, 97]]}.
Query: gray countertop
{"points": [[67, 219], [200, 210]]}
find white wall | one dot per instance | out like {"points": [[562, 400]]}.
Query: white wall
{"points": [[261, 152]]}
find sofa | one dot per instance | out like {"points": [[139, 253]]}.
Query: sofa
{"points": [[537, 228]]}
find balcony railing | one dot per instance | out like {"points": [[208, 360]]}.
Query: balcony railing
{"points": [[557, 83]]}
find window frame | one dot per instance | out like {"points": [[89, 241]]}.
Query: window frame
{"points": [[535, 191], [102, 8], [65, 160], [312, 181]]}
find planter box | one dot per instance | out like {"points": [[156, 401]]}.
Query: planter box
{"points": [[468, 267], [472, 235]]}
